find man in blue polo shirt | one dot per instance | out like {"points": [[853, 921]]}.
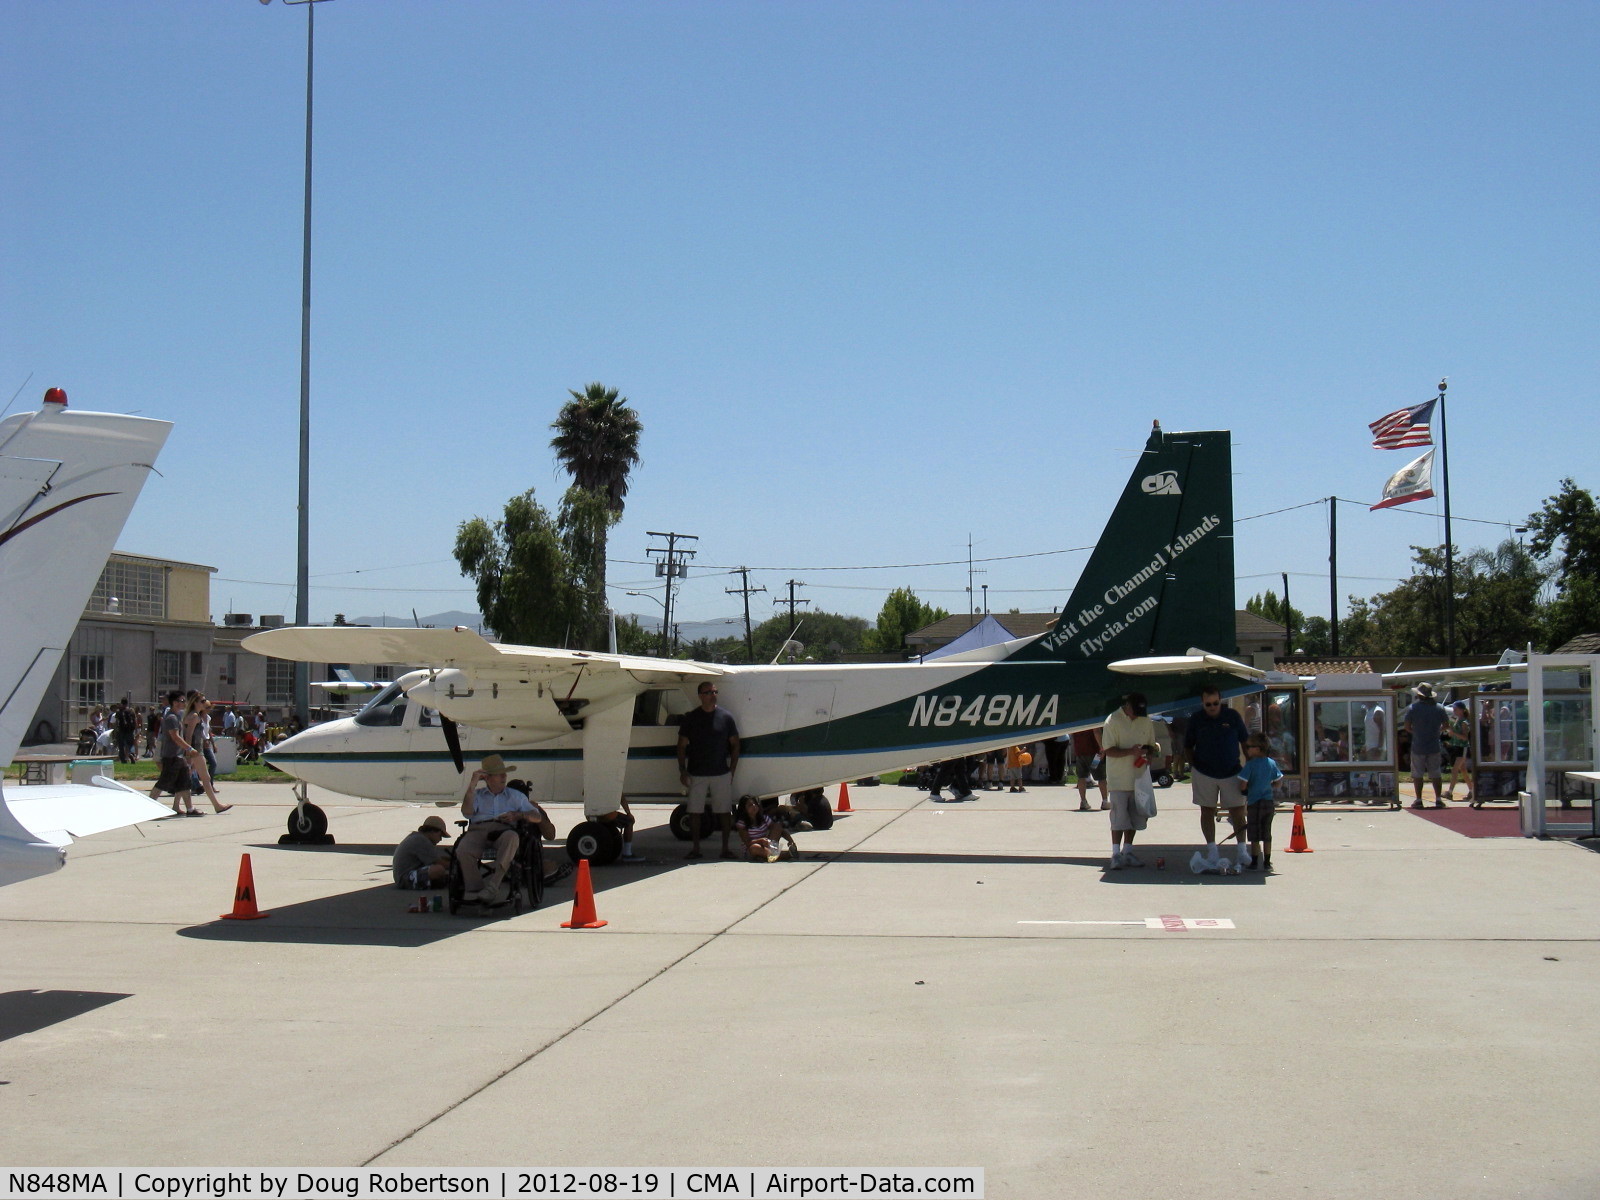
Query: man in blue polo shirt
{"points": [[1214, 742], [493, 809]]}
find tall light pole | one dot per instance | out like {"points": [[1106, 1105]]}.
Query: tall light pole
{"points": [[302, 578]]}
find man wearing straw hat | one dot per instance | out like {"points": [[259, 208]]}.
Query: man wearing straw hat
{"points": [[493, 808]]}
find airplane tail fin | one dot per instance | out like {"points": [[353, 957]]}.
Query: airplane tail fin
{"points": [[67, 483], [1160, 580]]}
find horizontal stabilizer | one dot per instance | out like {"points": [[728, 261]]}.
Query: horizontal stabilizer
{"points": [[1194, 662], [1452, 677]]}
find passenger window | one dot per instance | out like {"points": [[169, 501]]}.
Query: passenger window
{"points": [[647, 709]]}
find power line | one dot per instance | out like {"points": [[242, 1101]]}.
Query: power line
{"points": [[1417, 512]]}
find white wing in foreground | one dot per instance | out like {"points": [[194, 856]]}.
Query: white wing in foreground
{"points": [[38, 825]]}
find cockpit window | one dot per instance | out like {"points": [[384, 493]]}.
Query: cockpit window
{"points": [[388, 707]]}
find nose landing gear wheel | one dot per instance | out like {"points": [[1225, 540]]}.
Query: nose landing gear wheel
{"points": [[308, 824]]}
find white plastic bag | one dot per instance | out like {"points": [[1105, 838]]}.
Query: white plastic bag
{"points": [[1144, 794], [1204, 863]]}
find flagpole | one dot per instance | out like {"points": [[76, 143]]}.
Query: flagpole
{"points": [[1449, 544]]}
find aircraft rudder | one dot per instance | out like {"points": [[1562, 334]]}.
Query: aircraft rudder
{"points": [[1160, 578]]}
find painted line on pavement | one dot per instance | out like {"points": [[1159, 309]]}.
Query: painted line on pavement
{"points": [[1168, 924]]}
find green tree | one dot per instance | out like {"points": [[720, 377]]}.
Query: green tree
{"points": [[902, 613], [1497, 605], [1566, 529], [634, 638], [826, 636], [1314, 637], [597, 441], [1274, 608], [535, 575]]}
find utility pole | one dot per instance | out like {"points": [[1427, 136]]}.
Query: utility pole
{"points": [[791, 602], [1333, 573], [746, 591], [673, 566], [1288, 618]]}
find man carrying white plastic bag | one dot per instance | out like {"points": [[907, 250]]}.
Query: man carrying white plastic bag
{"points": [[1129, 740]]}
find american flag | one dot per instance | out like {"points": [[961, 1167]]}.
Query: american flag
{"points": [[1404, 427]]}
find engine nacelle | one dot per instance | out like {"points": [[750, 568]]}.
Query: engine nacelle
{"points": [[528, 706]]}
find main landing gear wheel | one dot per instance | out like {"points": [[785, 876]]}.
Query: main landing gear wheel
{"points": [[817, 809], [595, 841], [681, 829]]}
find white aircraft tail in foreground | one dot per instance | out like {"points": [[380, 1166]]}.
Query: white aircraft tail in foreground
{"points": [[67, 483], [593, 727]]}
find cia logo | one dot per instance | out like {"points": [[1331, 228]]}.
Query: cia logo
{"points": [[1163, 483]]}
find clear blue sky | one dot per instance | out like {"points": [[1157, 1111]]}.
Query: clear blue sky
{"points": [[876, 276]]}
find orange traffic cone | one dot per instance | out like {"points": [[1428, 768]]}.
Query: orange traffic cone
{"points": [[583, 915], [844, 799], [244, 896], [1297, 834]]}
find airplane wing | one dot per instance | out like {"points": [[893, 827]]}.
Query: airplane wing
{"points": [[73, 810], [37, 823], [533, 689], [1187, 664], [463, 648]]}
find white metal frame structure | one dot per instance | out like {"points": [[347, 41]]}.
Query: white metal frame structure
{"points": [[1532, 800]]}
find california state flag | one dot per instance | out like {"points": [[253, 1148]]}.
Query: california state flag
{"points": [[1414, 481]]}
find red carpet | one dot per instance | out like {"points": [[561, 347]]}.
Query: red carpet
{"points": [[1492, 821]]}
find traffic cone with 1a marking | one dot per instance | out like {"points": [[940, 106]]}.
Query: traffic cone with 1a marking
{"points": [[244, 895], [1297, 834]]}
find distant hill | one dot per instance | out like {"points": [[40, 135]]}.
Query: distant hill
{"points": [[440, 620]]}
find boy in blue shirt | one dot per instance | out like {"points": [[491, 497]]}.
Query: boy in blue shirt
{"points": [[1259, 774]]}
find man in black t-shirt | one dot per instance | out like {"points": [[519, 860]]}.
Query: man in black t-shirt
{"points": [[708, 753]]}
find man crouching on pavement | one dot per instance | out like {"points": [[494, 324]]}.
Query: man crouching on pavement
{"points": [[420, 864], [492, 807]]}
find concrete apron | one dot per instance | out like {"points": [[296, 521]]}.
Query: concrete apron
{"points": [[1403, 1012]]}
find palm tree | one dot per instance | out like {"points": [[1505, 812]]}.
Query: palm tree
{"points": [[597, 440]]}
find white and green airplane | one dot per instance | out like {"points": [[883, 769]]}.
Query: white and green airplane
{"points": [[596, 727]]}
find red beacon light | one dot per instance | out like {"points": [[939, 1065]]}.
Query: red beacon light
{"points": [[56, 396]]}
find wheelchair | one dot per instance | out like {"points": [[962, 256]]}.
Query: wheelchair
{"points": [[524, 878]]}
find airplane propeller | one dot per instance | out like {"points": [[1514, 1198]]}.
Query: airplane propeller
{"points": [[452, 738]]}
